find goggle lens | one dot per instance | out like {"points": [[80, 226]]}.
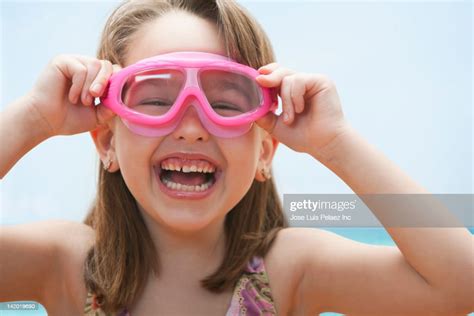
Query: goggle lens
{"points": [[154, 92]]}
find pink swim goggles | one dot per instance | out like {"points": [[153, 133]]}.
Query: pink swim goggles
{"points": [[149, 96]]}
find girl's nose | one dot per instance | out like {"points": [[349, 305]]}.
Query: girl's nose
{"points": [[190, 127]]}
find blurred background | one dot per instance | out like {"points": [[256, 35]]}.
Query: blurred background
{"points": [[403, 71]]}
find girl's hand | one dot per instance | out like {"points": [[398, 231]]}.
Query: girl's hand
{"points": [[63, 96], [312, 116]]}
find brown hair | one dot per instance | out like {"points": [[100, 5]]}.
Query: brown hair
{"points": [[118, 265]]}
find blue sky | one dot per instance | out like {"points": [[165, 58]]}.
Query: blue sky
{"points": [[403, 71]]}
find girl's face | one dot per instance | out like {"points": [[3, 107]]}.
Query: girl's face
{"points": [[140, 158]]}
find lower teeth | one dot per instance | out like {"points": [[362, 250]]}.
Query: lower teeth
{"points": [[189, 188]]}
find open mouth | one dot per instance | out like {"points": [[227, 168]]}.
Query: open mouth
{"points": [[188, 175]]}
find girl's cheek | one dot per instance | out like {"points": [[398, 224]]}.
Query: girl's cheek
{"points": [[243, 153]]}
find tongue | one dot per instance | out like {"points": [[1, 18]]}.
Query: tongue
{"points": [[190, 178]]}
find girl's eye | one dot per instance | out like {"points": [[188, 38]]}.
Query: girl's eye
{"points": [[224, 106], [156, 102]]}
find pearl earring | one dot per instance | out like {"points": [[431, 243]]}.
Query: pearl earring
{"points": [[107, 164], [266, 173]]}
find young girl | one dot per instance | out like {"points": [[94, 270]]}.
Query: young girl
{"points": [[187, 220]]}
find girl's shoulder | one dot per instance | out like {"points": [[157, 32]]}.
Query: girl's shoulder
{"points": [[287, 261], [69, 294], [284, 264], [45, 263]]}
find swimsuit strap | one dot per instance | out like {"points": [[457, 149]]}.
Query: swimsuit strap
{"points": [[252, 293]]}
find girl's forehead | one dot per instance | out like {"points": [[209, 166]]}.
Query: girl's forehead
{"points": [[174, 32]]}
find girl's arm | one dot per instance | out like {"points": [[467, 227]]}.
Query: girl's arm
{"points": [[443, 257], [38, 261], [432, 268], [60, 103], [21, 129]]}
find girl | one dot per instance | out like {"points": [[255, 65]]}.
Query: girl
{"points": [[187, 220]]}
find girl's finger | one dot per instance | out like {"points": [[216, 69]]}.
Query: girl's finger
{"points": [[287, 103], [274, 125], [298, 90], [93, 68], [317, 83], [99, 83], [78, 72], [274, 79], [103, 114], [266, 69]]}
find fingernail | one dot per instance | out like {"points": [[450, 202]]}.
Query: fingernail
{"points": [[96, 87], [286, 117]]}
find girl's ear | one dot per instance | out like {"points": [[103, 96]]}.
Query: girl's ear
{"points": [[103, 137], [269, 147]]}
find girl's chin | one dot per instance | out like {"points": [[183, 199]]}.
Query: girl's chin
{"points": [[186, 224]]}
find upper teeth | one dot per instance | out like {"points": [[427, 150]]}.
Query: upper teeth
{"points": [[187, 165]]}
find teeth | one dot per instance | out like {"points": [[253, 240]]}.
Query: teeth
{"points": [[189, 188], [191, 166]]}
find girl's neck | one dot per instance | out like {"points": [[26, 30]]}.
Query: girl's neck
{"points": [[204, 248]]}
